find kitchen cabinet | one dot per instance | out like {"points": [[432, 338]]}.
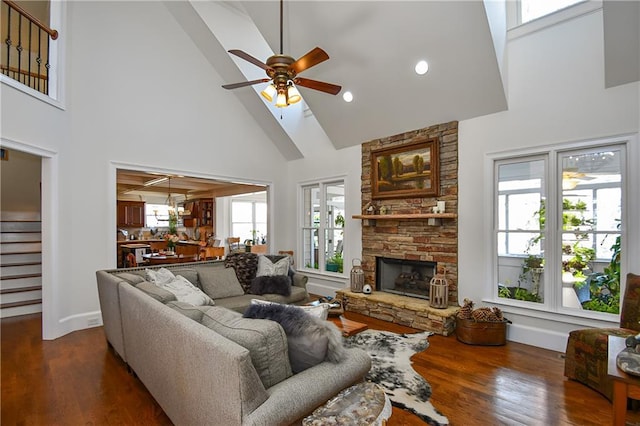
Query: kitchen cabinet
{"points": [[131, 214], [202, 213], [206, 212]]}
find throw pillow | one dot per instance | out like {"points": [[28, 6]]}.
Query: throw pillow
{"points": [[160, 276], [189, 273], [219, 283], [267, 267], [271, 284], [187, 292], [158, 293], [265, 340], [311, 340]]}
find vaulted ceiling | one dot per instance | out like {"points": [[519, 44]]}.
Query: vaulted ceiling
{"points": [[373, 48]]}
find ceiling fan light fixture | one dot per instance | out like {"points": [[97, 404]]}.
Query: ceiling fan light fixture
{"points": [[269, 92], [281, 99], [293, 94]]}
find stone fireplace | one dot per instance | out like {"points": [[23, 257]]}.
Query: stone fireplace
{"points": [[405, 230], [404, 277]]}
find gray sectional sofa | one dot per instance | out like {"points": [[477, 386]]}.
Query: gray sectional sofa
{"points": [[207, 365]]}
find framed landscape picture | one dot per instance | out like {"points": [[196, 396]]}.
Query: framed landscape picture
{"points": [[406, 171]]}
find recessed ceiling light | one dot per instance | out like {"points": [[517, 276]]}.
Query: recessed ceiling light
{"points": [[422, 67], [347, 96]]}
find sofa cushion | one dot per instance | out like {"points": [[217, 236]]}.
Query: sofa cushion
{"points": [[189, 273], [268, 267], [160, 294], [275, 284], [265, 340], [219, 283], [311, 340], [298, 294], [130, 278], [188, 310], [320, 310], [238, 303]]}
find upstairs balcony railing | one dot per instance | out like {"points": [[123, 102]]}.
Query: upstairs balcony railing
{"points": [[24, 52]]}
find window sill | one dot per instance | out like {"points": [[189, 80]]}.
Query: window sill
{"points": [[580, 318], [552, 19], [328, 276]]}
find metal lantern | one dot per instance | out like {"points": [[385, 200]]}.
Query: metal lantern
{"points": [[439, 292], [357, 276]]}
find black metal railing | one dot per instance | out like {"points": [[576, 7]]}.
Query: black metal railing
{"points": [[24, 53]]}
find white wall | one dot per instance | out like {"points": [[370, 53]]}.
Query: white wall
{"points": [[20, 184], [556, 94], [139, 95]]}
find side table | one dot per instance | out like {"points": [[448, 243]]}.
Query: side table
{"points": [[362, 403], [624, 385]]}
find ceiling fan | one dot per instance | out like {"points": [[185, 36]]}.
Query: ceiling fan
{"points": [[283, 73]]}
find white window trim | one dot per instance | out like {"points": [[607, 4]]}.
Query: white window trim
{"points": [[516, 29], [322, 182], [630, 229]]}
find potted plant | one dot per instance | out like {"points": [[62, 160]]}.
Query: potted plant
{"points": [[335, 263]]}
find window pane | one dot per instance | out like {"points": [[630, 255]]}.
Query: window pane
{"points": [[334, 197], [333, 251], [533, 9], [311, 200], [521, 215], [310, 248], [591, 212], [241, 211], [157, 215]]}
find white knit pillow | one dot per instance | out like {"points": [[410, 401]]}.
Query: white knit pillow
{"points": [[267, 267]]}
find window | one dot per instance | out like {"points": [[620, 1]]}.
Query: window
{"points": [[156, 215], [249, 219], [558, 229], [323, 226], [534, 9]]}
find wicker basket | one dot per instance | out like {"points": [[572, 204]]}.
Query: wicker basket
{"points": [[483, 333]]}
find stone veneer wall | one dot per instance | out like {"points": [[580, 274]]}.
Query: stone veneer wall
{"points": [[408, 238]]}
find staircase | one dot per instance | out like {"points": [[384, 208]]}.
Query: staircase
{"points": [[20, 268]]}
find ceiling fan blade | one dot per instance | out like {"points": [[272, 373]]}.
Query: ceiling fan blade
{"points": [[318, 85], [312, 58], [249, 58], [244, 83]]}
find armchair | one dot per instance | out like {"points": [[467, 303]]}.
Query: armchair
{"points": [[586, 353]]}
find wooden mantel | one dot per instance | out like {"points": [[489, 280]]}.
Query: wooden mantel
{"points": [[370, 219]]}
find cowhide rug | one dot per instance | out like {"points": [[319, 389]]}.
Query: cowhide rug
{"points": [[391, 368]]}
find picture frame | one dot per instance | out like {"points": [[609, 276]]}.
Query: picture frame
{"points": [[406, 171]]}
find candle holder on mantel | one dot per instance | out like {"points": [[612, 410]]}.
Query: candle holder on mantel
{"points": [[439, 291]]}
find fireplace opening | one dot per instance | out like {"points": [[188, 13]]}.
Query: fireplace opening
{"points": [[404, 277]]}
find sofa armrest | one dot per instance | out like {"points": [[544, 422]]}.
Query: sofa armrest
{"points": [[299, 280], [300, 399]]}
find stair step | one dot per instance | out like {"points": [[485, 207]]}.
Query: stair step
{"points": [[19, 264], [22, 303], [20, 289], [15, 277], [20, 282], [15, 226], [20, 270], [20, 258], [20, 237], [20, 247]]}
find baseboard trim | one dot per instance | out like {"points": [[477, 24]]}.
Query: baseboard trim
{"points": [[547, 339]]}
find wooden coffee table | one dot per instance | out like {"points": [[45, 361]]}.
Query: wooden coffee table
{"points": [[348, 327], [624, 385]]}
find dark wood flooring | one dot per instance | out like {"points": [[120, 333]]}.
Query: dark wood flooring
{"points": [[77, 380]]}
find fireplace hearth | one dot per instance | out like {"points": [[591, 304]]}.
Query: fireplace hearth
{"points": [[404, 277]]}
